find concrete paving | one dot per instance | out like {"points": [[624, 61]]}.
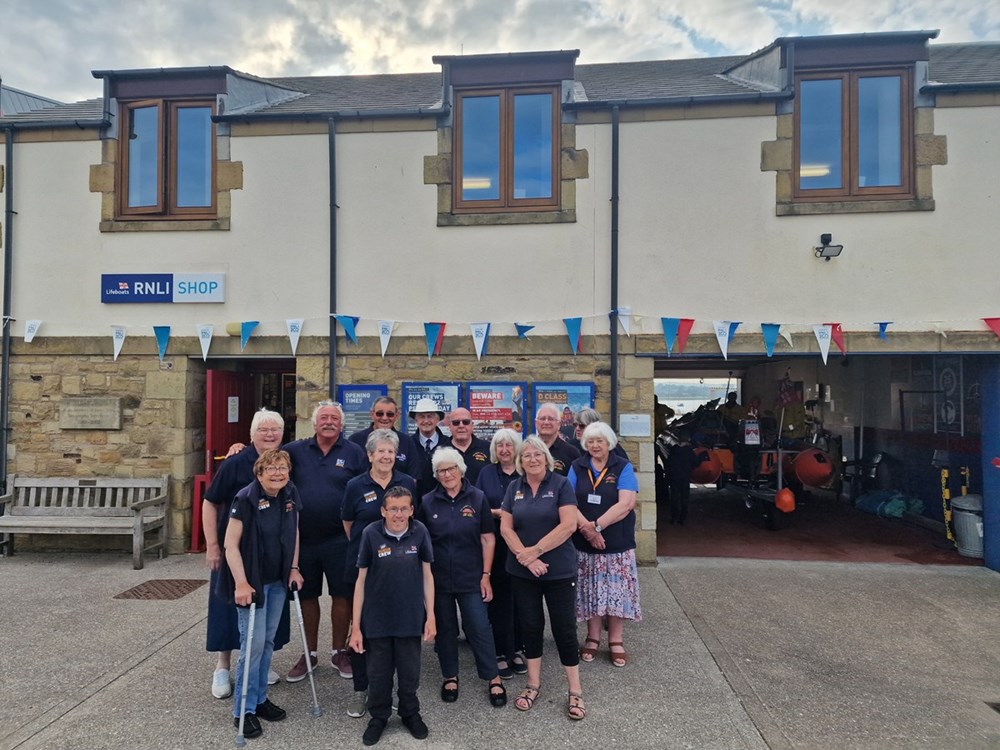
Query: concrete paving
{"points": [[731, 654]]}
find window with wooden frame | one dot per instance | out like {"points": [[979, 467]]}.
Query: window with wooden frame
{"points": [[167, 159], [506, 150], [853, 135]]}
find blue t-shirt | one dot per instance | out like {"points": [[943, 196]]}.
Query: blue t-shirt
{"points": [[534, 517], [596, 491], [394, 584], [362, 506], [456, 526], [321, 480]]}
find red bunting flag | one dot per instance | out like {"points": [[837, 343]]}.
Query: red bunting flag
{"points": [[994, 324], [837, 334]]}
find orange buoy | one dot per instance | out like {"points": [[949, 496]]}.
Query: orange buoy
{"points": [[709, 470], [813, 467], [784, 500]]}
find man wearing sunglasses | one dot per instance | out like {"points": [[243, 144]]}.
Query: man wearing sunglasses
{"points": [[384, 412], [474, 450]]}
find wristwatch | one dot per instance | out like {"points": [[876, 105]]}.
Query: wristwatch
{"points": [[597, 527]]}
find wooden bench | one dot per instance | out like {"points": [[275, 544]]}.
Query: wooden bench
{"points": [[106, 505]]}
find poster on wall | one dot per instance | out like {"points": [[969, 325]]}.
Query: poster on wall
{"points": [[357, 402], [569, 397], [447, 396], [496, 405]]}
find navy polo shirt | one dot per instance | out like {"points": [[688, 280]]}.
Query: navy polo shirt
{"points": [[476, 456], [563, 454], [321, 480], [407, 459], [394, 584], [456, 526], [235, 473], [618, 475], [362, 506], [534, 517], [494, 483]]}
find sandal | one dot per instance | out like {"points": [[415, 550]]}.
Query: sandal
{"points": [[518, 664], [497, 693], [587, 653], [449, 694], [575, 708], [619, 658], [526, 698], [504, 669]]}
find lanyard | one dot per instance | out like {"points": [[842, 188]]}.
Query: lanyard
{"points": [[600, 477]]}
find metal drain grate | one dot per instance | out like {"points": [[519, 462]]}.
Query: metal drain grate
{"points": [[162, 589]]}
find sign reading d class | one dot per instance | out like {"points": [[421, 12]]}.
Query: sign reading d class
{"points": [[168, 288]]}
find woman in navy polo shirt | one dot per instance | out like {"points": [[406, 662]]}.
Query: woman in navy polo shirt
{"points": [[494, 480], [262, 562], [537, 518], [363, 505], [461, 527], [606, 489]]}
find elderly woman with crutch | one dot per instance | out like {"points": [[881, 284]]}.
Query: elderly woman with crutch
{"points": [[262, 552]]}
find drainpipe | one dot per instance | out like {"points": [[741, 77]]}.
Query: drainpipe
{"points": [[331, 134], [614, 267], [8, 259]]}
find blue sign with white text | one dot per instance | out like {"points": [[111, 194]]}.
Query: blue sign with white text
{"points": [[163, 287]]}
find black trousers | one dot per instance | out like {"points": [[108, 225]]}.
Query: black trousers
{"points": [[388, 656], [560, 599], [360, 669], [680, 493]]}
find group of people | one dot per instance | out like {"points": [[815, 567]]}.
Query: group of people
{"points": [[411, 532]]}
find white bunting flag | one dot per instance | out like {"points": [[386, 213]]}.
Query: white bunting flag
{"points": [[722, 329], [823, 338], [625, 318], [118, 337], [786, 335], [30, 329], [294, 327], [480, 331], [385, 333], [205, 331]]}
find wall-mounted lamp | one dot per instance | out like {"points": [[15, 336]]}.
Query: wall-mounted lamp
{"points": [[826, 250]]}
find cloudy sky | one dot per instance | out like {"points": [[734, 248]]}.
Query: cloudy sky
{"points": [[49, 47]]}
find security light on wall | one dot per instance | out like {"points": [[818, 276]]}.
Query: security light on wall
{"points": [[825, 250]]}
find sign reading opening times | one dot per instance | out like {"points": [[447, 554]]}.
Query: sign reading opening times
{"points": [[166, 288]]}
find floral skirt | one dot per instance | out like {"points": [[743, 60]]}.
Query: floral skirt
{"points": [[607, 585]]}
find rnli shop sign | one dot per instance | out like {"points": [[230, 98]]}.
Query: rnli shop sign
{"points": [[163, 287]]}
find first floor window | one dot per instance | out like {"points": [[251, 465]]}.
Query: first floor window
{"points": [[167, 159], [506, 149], [853, 135]]}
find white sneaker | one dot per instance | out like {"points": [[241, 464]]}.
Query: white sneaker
{"points": [[221, 688], [272, 677]]}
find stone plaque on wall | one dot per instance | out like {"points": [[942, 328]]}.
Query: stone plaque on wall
{"points": [[97, 413]]}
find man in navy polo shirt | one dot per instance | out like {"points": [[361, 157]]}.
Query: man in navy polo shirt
{"points": [[547, 421], [393, 608], [321, 468], [384, 412], [475, 451]]}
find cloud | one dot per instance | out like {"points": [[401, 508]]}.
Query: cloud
{"points": [[58, 42]]}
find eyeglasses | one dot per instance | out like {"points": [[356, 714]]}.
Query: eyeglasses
{"points": [[581, 425], [397, 511], [270, 430], [385, 414], [275, 469], [447, 469], [465, 422], [546, 419]]}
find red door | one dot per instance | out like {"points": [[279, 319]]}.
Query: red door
{"points": [[228, 412]]}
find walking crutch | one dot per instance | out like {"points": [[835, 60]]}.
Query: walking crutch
{"points": [[241, 741], [316, 710]]}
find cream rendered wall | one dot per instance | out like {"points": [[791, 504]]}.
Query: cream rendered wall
{"points": [[274, 258], [397, 264], [700, 238]]}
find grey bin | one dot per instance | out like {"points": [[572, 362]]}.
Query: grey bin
{"points": [[967, 518]]}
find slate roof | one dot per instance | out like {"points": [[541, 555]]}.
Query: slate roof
{"points": [[13, 101], [955, 65]]}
